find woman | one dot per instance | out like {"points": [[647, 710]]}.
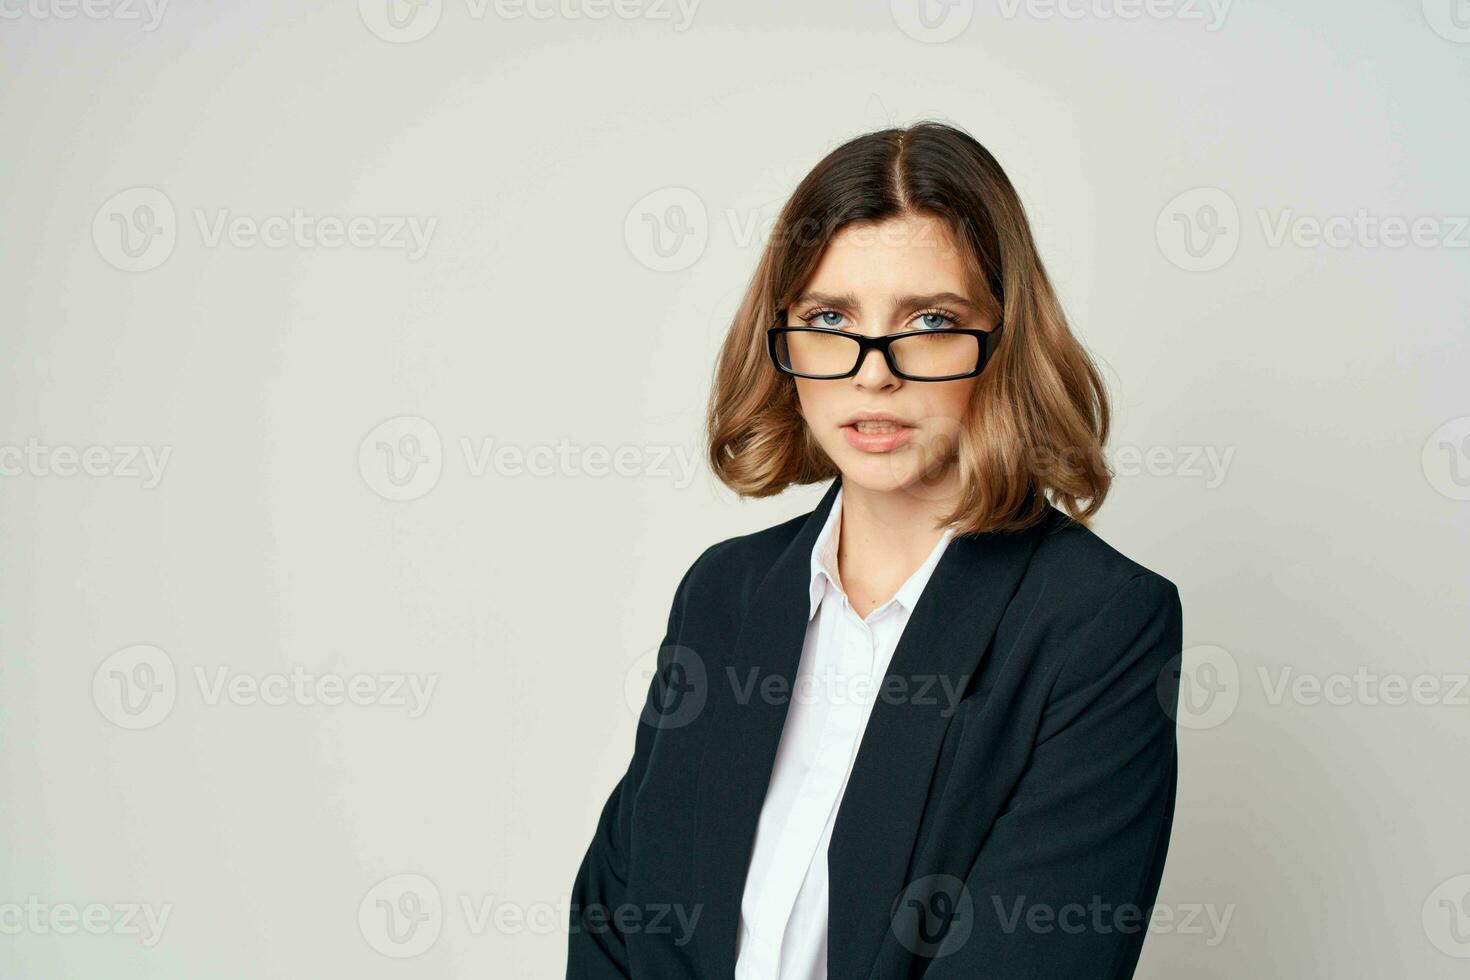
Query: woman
{"points": [[921, 729]]}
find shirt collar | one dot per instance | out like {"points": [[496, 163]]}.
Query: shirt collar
{"points": [[824, 563]]}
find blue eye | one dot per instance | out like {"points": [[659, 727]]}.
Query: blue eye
{"points": [[928, 320], [815, 318]]}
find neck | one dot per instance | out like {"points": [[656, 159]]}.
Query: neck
{"points": [[886, 534]]}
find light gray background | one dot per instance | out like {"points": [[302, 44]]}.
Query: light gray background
{"points": [[611, 178]]}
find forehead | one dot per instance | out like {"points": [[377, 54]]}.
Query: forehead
{"points": [[912, 252]]}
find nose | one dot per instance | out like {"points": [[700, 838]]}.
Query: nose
{"points": [[873, 373]]}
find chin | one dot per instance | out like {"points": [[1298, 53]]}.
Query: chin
{"points": [[878, 472], [903, 471]]}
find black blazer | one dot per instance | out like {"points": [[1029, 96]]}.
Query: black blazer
{"points": [[1010, 806]]}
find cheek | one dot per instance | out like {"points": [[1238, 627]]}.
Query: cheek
{"points": [[950, 399], [811, 399]]}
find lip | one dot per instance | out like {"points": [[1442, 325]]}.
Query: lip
{"points": [[877, 417], [877, 442]]}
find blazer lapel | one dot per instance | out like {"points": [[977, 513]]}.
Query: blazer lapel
{"points": [[745, 730], [942, 644], [878, 820]]}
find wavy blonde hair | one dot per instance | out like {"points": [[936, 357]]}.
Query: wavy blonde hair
{"points": [[1039, 416]]}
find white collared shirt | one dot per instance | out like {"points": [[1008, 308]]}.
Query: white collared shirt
{"points": [[783, 913]]}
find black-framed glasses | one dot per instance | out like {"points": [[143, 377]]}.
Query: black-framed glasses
{"points": [[825, 353]]}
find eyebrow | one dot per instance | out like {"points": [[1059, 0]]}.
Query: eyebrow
{"points": [[900, 303]]}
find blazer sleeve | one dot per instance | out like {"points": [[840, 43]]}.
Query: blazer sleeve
{"points": [[1065, 883], [596, 947]]}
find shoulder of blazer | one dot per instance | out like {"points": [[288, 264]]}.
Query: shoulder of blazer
{"points": [[727, 573], [1093, 603], [1093, 569]]}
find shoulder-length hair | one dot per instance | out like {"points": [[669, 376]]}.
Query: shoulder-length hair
{"points": [[1036, 425]]}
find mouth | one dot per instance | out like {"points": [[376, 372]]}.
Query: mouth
{"points": [[878, 425], [877, 435]]}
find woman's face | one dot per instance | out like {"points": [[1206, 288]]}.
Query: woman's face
{"points": [[901, 274]]}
